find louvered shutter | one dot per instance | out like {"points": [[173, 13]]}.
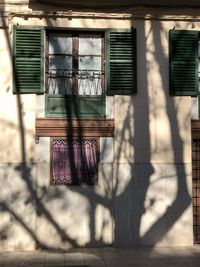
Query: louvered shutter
{"points": [[121, 72], [28, 67], [183, 57]]}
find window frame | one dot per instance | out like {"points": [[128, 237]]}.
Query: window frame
{"points": [[75, 46], [74, 138]]}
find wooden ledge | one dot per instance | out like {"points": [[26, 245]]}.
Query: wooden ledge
{"points": [[57, 127]]}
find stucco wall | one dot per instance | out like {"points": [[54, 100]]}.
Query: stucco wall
{"points": [[144, 191]]}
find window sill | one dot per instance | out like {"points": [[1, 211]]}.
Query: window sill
{"points": [[60, 127]]}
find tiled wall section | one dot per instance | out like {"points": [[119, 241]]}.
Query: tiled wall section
{"points": [[17, 206], [152, 204]]}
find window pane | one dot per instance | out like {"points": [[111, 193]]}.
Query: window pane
{"points": [[89, 63], [90, 75], [60, 66], [60, 43], [90, 44], [74, 161], [90, 83], [60, 85], [60, 62]]}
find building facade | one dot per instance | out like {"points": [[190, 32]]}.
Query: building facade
{"points": [[96, 110]]}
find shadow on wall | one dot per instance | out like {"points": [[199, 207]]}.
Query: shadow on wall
{"points": [[124, 199], [120, 7]]}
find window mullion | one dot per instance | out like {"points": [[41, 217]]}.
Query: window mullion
{"points": [[47, 63], [75, 64], [103, 65]]}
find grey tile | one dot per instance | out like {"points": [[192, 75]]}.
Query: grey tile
{"points": [[13, 264], [74, 258], [193, 262], [153, 264], [93, 257]]}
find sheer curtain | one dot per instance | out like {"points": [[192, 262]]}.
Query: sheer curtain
{"points": [[74, 161]]}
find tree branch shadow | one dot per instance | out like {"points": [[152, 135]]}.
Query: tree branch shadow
{"points": [[126, 208]]}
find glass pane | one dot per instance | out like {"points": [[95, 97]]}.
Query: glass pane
{"points": [[60, 62], [90, 83], [90, 44], [60, 86], [60, 43], [89, 63]]}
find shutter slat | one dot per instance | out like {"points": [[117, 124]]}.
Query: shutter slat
{"points": [[28, 60], [183, 62], [122, 62]]}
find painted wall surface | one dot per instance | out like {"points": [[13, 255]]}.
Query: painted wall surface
{"points": [[144, 191]]}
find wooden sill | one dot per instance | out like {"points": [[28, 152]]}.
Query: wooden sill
{"points": [[59, 127]]}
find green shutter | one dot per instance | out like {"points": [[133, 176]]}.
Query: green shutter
{"points": [[28, 61], [183, 66], [121, 72]]}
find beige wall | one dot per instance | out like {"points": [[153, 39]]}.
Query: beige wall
{"points": [[144, 191]]}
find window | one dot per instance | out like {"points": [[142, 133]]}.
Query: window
{"points": [[75, 74], [183, 62], [75, 63], [81, 67], [74, 161]]}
